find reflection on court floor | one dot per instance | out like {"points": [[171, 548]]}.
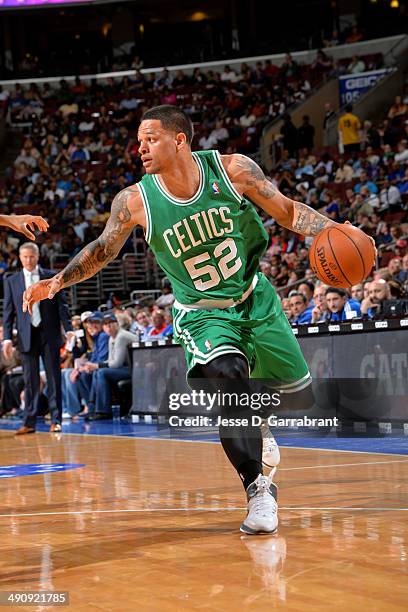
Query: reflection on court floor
{"points": [[152, 524]]}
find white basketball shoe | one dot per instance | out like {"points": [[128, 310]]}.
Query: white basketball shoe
{"points": [[270, 448], [262, 514]]}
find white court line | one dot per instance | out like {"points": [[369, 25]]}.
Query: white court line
{"points": [[328, 450], [315, 467], [228, 509], [152, 439]]}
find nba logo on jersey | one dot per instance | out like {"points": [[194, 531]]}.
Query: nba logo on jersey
{"points": [[215, 188], [208, 345]]}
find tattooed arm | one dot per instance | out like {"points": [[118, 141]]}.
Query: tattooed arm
{"points": [[126, 212], [249, 180]]}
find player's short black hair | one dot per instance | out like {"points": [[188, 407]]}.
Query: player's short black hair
{"points": [[337, 290], [171, 118]]}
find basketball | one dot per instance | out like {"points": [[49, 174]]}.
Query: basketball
{"points": [[342, 256]]}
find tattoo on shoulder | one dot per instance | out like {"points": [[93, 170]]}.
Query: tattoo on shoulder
{"points": [[255, 178], [307, 221]]}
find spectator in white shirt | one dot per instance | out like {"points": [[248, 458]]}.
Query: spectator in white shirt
{"points": [[389, 195], [219, 132], [356, 65], [402, 155], [228, 75], [207, 141], [247, 119]]}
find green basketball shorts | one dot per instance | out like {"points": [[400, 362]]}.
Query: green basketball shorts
{"points": [[257, 329]]}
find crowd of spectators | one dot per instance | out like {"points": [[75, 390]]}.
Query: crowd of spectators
{"points": [[82, 149], [364, 182], [93, 362]]}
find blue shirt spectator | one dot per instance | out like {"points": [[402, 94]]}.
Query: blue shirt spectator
{"points": [[339, 307], [301, 313], [365, 182]]}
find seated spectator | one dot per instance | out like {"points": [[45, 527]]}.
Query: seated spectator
{"points": [[286, 308], [159, 326], [77, 382], [219, 133], [394, 267], [369, 198], [372, 158], [378, 291], [344, 172], [402, 156], [301, 313], [168, 317], [357, 292], [403, 274], [356, 65], [354, 36], [106, 373], [228, 75], [142, 325], [390, 195], [307, 288], [365, 181], [398, 108], [166, 298], [339, 306], [319, 312]]}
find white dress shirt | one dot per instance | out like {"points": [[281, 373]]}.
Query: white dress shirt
{"points": [[30, 278]]}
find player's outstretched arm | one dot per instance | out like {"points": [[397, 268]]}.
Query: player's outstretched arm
{"points": [[24, 223], [249, 179], [126, 212]]}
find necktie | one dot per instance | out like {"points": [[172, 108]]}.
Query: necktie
{"points": [[36, 316]]}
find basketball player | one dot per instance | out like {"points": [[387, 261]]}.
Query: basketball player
{"points": [[24, 223], [196, 211]]}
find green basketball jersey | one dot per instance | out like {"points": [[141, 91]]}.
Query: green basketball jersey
{"points": [[209, 246]]}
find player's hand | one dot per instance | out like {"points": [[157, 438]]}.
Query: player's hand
{"points": [[40, 291], [373, 243], [25, 223]]}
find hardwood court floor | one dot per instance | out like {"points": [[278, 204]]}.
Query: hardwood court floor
{"points": [[153, 525]]}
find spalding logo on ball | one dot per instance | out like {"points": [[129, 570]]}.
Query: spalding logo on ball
{"points": [[342, 256]]}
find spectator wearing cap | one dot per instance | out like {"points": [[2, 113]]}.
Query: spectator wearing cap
{"points": [[109, 372], [339, 306], [79, 375], [301, 313]]}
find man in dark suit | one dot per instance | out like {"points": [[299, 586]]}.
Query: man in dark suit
{"points": [[39, 335]]}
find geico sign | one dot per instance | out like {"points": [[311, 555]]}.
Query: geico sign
{"points": [[361, 82]]}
